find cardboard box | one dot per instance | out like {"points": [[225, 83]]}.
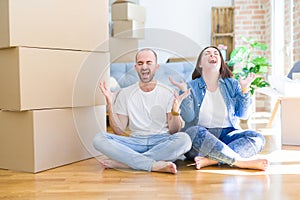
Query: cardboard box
{"points": [[127, 11], [34, 141], [290, 115], [32, 78], [67, 24], [128, 29], [123, 49]]}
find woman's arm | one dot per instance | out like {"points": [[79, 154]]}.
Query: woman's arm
{"points": [[187, 105], [174, 120]]}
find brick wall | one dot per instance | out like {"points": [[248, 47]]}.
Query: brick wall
{"points": [[253, 20], [288, 47], [296, 34], [249, 20]]}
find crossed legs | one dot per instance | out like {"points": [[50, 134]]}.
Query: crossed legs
{"points": [[158, 166], [142, 153], [240, 147]]}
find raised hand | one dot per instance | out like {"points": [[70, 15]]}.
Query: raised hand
{"points": [[245, 83], [106, 92], [178, 99], [182, 85]]}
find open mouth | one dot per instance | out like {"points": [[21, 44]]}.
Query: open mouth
{"points": [[145, 74], [212, 61]]}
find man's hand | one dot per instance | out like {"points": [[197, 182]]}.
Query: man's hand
{"points": [[106, 92]]}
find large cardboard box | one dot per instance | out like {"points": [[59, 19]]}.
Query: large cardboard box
{"points": [[128, 29], [290, 115], [67, 24], [33, 141], [123, 49], [32, 78], [127, 11]]}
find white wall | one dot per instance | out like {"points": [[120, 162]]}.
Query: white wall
{"points": [[183, 23]]}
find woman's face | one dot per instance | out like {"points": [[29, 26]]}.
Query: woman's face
{"points": [[211, 59]]}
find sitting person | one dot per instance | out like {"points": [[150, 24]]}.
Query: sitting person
{"points": [[150, 110], [211, 113]]}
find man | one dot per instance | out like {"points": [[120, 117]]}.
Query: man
{"points": [[151, 112]]}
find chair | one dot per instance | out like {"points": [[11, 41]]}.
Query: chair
{"points": [[295, 68]]}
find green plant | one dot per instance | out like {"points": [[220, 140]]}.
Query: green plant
{"points": [[244, 59]]}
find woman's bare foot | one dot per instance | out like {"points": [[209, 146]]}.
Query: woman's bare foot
{"points": [[109, 164], [201, 162], [163, 166], [260, 164]]}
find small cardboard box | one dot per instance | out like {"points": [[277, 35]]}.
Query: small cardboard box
{"points": [[67, 24], [127, 11], [290, 115], [34, 141], [128, 29], [32, 78]]}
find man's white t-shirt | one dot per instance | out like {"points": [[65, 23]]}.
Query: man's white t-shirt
{"points": [[147, 111]]}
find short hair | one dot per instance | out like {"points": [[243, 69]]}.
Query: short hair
{"points": [[146, 49]]}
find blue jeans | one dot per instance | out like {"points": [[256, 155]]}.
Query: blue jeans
{"points": [[140, 152], [224, 144]]}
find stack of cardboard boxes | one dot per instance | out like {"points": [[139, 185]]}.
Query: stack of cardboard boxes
{"points": [[128, 19], [53, 53], [128, 27]]}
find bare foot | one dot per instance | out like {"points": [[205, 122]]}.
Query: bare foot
{"points": [[201, 162], [260, 164], [109, 164], [163, 166]]}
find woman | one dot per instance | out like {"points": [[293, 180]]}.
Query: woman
{"points": [[211, 113]]}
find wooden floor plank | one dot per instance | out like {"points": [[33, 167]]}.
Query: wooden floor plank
{"points": [[88, 180]]}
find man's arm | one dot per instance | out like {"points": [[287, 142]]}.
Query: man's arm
{"points": [[117, 122]]}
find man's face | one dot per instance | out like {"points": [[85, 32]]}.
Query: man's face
{"points": [[146, 65]]}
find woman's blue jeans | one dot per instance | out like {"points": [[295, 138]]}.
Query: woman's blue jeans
{"points": [[140, 152], [224, 144]]}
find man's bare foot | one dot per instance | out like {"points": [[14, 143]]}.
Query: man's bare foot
{"points": [[260, 164], [109, 164], [163, 166]]}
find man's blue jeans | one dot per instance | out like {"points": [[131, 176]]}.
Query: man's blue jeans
{"points": [[140, 152]]}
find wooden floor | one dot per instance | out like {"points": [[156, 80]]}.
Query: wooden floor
{"points": [[88, 180]]}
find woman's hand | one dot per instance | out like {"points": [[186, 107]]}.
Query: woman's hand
{"points": [[178, 99], [245, 83], [182, 85]]}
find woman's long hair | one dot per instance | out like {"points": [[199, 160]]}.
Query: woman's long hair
{"points": [[225, 72]]}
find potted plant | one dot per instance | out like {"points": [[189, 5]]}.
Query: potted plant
{"points": [[245, 59]]}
